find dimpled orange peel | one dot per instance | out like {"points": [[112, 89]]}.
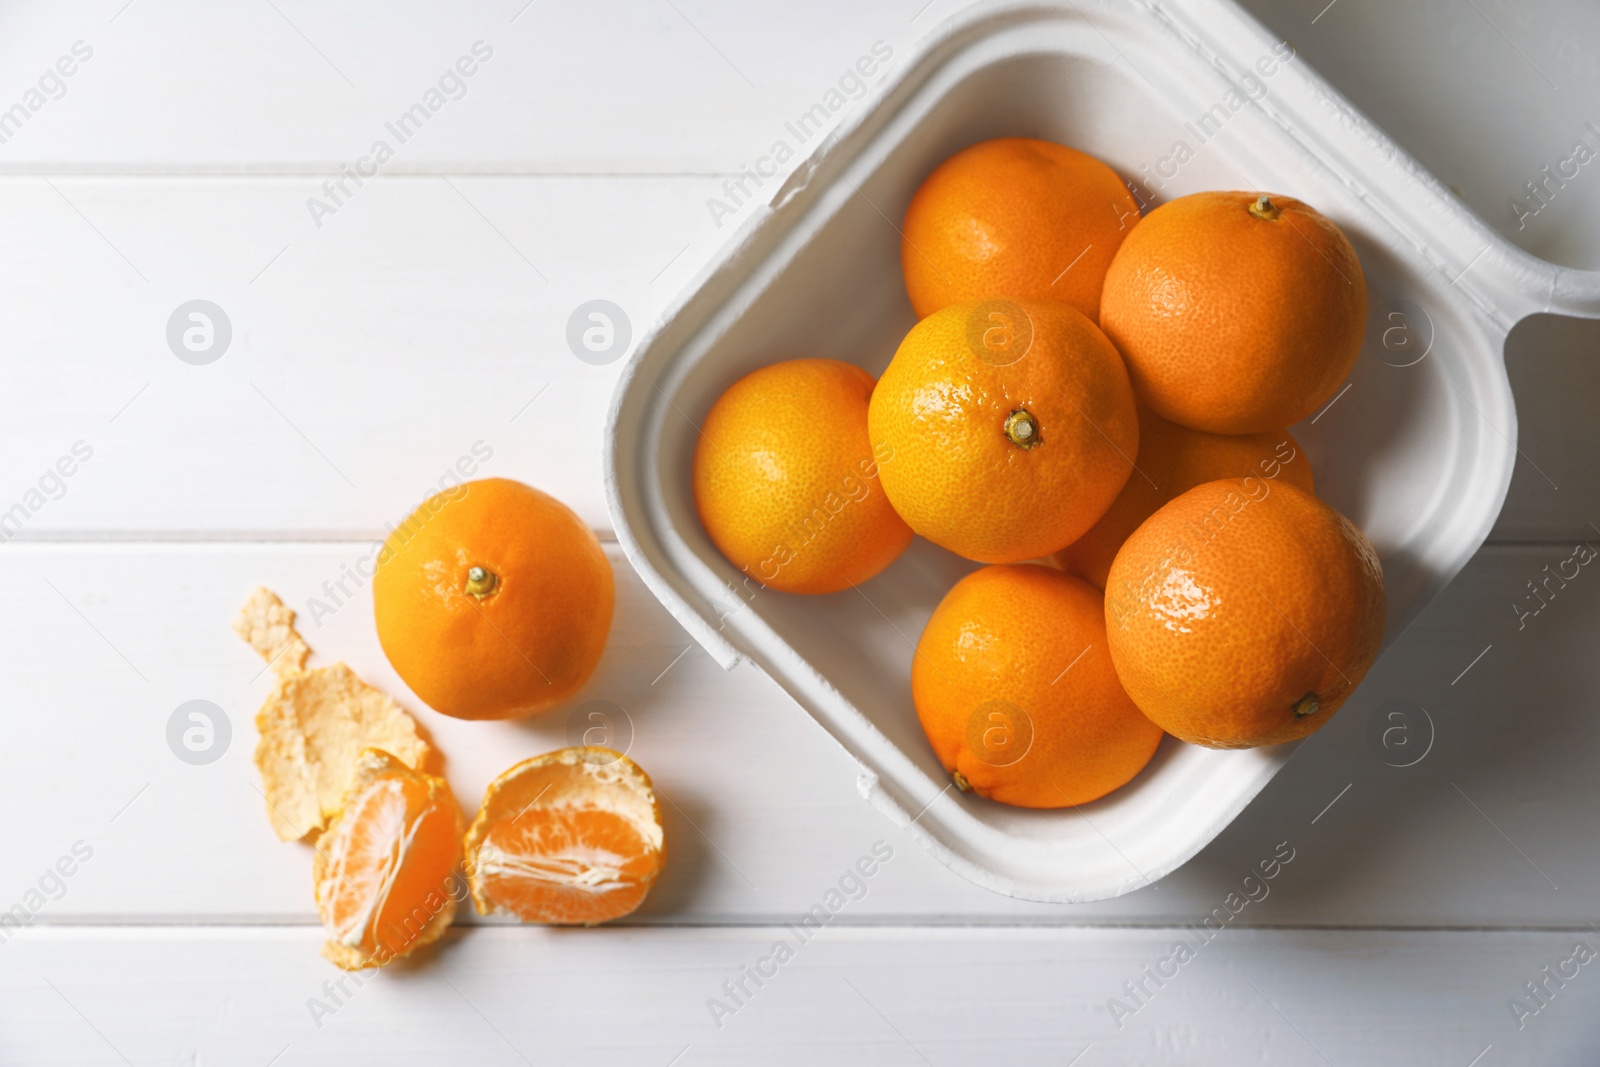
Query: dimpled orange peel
{"points": [[1011, 425], [786, 481], [1244, 612], [1014, 687], [1014, 217], [493, 600], [1237, 312]]}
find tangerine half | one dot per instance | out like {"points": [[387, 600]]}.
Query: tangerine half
{"points": [[385, 867], [570, 837]]}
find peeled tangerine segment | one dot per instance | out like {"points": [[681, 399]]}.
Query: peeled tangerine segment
{"points": [[385, 867], [570, 837]]}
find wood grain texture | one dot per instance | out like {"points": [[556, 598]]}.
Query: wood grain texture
{"points": [[1446, 79], [428, 316], [884, 996], [428, 313], [104, 642], [291, 87], [368, 358]]}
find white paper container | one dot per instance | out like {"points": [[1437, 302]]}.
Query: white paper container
{"points": [[1420, 456]]}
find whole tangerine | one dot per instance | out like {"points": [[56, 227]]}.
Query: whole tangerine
{"points": [[1014, 217], [787, 483], [1008, 428], [493, 600], [1244, 613], [1237, 312], [1174, 459], [1014, 687]]}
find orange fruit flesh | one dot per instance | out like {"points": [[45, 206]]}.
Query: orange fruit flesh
{"points": [[572, 866], [571, 837], [383, 871]]}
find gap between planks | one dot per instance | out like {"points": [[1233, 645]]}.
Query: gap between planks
{"points": [[316, 172], [227, 537], [838, 922]]}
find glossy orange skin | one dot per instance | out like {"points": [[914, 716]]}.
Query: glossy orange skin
{"points": [[940, 412], [786, 481], [1174, 459], [1235, 601], [1231, 323], [1018, 218], [525, 647], [1015, 690]]}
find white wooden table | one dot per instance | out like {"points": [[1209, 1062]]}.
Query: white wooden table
{"points": [[421, 315]]}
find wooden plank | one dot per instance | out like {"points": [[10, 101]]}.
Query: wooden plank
{"points": [[343, 332], [103, 642], [1446, 81], [848, 996], [1555, 374], [426, 316], [366, 358], [574, 88]]}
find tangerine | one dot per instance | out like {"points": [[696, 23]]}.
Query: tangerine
{"points": [[1014, 217], [1237, 313], [1007, 428], [1244, 612], [1014, 687], [493, 600], [786, 480]]}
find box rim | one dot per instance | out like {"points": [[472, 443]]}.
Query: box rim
{"points": [[1498, 285]]}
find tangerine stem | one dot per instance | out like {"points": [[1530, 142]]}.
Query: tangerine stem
{"points": [[961, 781], [1306, 705], [1265, 209], [481, 582], [1022, 429]]}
